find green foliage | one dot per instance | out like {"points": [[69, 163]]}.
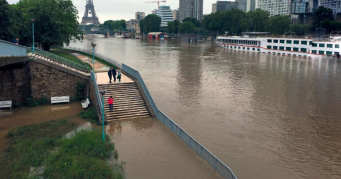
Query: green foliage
{"points": [[141, 23], [331, 26], [151, 23], [115, 25], [194, 21], [68, 56], [83, 156], [173, 27], [80, 91], [278, 24], [36, 102], [55, 22], [255, 21], [322, 14], [91, 115], [186, 27], [170, 26], [299, 29]]}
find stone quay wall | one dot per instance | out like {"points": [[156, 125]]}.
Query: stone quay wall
{"points": [[36, 80]]}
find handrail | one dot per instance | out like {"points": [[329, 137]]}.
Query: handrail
{"points": [[59, 59], [11, 49], [99, 100], [90, 52], [204, 153]]}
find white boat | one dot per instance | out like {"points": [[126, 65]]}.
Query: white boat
{"points": [[121, 35], [304, 47]]}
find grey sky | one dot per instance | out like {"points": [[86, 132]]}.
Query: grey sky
{"points": [[125, 9]]}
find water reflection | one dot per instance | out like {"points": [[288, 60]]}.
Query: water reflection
{"points": [[265, 116]]}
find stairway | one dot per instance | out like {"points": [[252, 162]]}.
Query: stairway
{"points": [[128, 101], [35, 55]]}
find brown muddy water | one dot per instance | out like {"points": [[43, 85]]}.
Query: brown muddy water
{"points": [[24, 116], [265, 116]]}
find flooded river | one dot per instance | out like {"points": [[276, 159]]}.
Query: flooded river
{"points": [[265, 116]]}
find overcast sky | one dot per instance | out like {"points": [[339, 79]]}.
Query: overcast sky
{"points": [[125, 9]]}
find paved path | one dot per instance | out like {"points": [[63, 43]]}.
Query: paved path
{"points": [[102, 71]]}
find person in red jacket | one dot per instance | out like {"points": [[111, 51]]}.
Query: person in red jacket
{"points": [[111, 103]]}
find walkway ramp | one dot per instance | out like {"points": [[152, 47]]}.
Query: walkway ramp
{"points": [[128, 101]]}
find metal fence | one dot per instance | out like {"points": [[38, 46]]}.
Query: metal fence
{"points": [[103, 57], [59, 59], [11, 49], [99, 100], [218, 165]]}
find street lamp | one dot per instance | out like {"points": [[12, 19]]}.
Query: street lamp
{"points": [[102, 93], [33, 32], [93, 55]]}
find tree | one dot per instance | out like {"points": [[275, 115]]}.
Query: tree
{"points": [[186, 27], [299, 29], [176, 26], [55, 21], [256, 20], [142, 26], [322, 14], [9, 21], [170, 27], [151, 23], [195, 22], [278, 24]]}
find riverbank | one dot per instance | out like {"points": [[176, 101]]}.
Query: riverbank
{"points": [[39, 146]]}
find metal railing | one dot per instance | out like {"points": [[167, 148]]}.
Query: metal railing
{"points": [[11, 49], [103, 57], [99, 100], [218, 165], [59, 59]]}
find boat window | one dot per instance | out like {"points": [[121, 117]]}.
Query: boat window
{"points": [[288, 48], [275, 41], [321, 45], [244, 48], [321, 52], [303, 50], [329, 53], [288, 41], [314, 44], [314, 51], [269, 40], [258, 50], [330, 45], [282, 41], [253, 49], [295, 49], [248, 48], [336, 45], [296, 42], [268, 47], [281, 48], [310, 42], [238, 47], [275, 47], [304, 42]]}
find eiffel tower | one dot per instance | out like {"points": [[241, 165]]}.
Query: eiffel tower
{"points": [[90, 9]]}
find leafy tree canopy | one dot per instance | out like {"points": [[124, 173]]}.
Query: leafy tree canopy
{"points": [[194, 21], [151, 23], [186, 27]]}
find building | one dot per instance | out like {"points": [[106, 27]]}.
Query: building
{"points": [[282, 7], [166, 15], [139, 15], [214, 7], [242, 4], [300, 7], [154, 11], [191, 8], [223, 6], [250, 5], [133, 25], [176, 14], [334, 5], [313, 4]]}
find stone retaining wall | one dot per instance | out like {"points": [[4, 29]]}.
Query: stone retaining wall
{"points": [[36, 80]]}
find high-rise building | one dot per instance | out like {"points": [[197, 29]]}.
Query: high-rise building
{"points": [[250, 5], [139, 15], [176, 14], [154, 11], [225, 5], [300, 7], [334, 5], [313, 5], [214, 7], [191, 8], [242, 5], [166, 15], [282, 7]]}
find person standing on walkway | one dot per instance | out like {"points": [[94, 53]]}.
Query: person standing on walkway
{"points": [[16, 41], [109, 74], [119, 75], [111, 103], [114, 73]]}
